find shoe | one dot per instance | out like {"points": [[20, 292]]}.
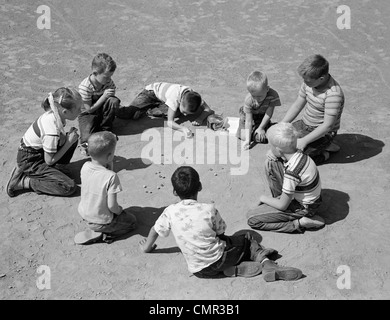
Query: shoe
{"points": [[87, 237], [84, 149], [333, 147], [321, 158], [245, 269], [273, 272], [314, 222], [15, 177]]}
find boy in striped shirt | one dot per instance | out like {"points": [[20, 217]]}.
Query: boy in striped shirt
{"points": [[257, 111], [322, 101], [295, 186]]}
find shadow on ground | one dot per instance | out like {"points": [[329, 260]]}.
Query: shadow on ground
{"points": [[355, 147], [334, 206]]}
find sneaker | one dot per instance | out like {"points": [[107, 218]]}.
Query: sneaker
{"points": [[245, 269], [314, 222], [15, 177], [333, 147], [273, 272], [87, 237]]}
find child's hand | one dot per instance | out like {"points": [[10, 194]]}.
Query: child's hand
{"points": [[260, 133], [246, 145], [109, 93], [144, 248], [72, 136], [188, 133], [197, 122]]}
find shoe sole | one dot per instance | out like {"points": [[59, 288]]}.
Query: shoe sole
{"points": [[286, 274], [10, 193], [246, 269], [317, 223], [87, 237]]}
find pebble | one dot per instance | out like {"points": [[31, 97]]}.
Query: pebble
{"points": [[144, 186], [215, 174], [2, 275]]}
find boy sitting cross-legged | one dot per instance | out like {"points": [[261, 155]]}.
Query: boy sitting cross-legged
{"points": [[199, 231], [295, 186]]}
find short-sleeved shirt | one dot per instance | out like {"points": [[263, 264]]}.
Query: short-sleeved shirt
{"points": [[195, 227], [97, 182], [90, 94], [301, 178], [170, 93], [47, 136], [328, 101], [252, 106]]}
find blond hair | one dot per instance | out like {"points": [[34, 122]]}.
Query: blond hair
{"points": [[256, 80], [283, 136]]}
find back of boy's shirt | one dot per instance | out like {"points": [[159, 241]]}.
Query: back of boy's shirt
{"points": [[170, 93], [302, 178], [96, 183], [327, 101], [252, 106], [90, 94], [195, 227]]}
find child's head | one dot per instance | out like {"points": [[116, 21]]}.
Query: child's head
{"points": [[68, 101], [283, 138], [190, 103], [257, 85], [186, 183], [103, 67], [101, 146], [314, 70]]}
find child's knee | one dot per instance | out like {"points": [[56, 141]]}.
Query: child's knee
{"points": [[114, 101], [69, 188]]}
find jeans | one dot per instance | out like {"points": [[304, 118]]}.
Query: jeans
{"points": [[238, 248], [267, 218], [257, 118], [120, 225], [45, 179], [144, 101], [316, 147], [100, 120]]}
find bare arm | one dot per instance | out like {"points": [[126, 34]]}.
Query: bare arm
{"points": [[280, 203], [113, 205], [248, 130], [318, 132], [175, 126], [147, 245], [266, 119], [294, 110], [92, 108]]}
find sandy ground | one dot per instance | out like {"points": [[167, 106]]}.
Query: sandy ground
{"points": [[211, 46]]}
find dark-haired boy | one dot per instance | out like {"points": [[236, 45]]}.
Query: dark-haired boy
{"points": [[168, 100], [199, 231], [324, 101]]}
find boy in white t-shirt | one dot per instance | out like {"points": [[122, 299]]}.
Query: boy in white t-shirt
{"points": [[199, 231], [100, 185], [163, 99]]}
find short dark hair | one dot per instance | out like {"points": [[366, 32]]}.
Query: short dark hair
{"points": [[102, 62], [185, 181], [314, 66], [191, 101]]}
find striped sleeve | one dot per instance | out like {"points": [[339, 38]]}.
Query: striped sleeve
{"points": [[85, 92], [302, 91], [333, 103], [248, 103], [49, 133]]}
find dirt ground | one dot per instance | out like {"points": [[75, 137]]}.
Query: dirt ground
{"points": [[211, 46]]}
